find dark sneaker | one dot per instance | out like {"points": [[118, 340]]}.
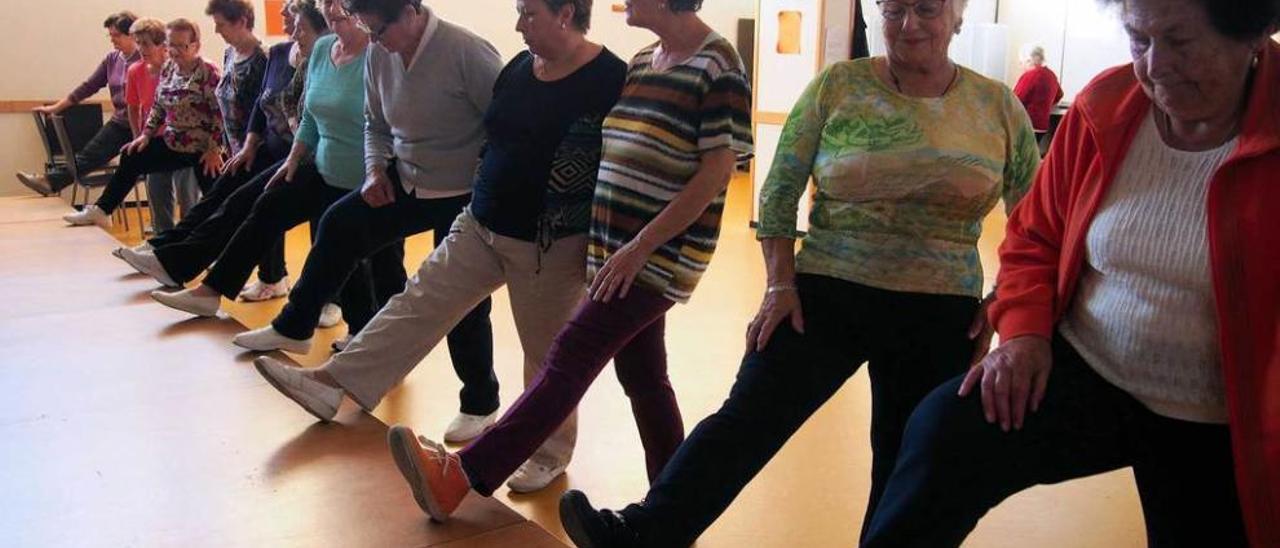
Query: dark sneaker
{"points": [[37, 183], [591, 528]]}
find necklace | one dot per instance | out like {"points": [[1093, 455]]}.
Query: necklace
{"points": [[955, 74]]}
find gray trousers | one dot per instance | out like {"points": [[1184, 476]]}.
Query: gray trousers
{"points": [[161, 189]]}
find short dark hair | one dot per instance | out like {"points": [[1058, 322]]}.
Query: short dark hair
{"points": [[678, 6], [1239, 19], [387, 10], [311, 12], [121, 21], [581, 11], [232, 10]]}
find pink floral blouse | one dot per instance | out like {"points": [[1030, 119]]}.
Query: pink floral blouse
{"points": [[186, 108]]}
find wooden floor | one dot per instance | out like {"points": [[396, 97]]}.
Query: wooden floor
{"points": [[199, 452]]}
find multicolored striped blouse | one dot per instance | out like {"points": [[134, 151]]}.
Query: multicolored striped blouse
{"points": [[903, 182], [186, 108], [654, 139]]}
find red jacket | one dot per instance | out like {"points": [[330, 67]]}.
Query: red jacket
{"points": [[1038, 90], [1043, 250]]}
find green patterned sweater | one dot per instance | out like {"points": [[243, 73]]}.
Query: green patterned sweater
{"points": [[903, 183]]}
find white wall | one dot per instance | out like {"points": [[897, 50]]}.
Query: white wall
{"points": [[55, 44]]}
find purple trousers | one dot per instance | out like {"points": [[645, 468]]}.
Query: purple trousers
{"points": [[630, 331]]}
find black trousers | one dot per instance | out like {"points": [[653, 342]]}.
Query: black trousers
{"points": [[201, 234], [911, 343], [352, 231], [954, 466], [271, 214], [156, 158]]}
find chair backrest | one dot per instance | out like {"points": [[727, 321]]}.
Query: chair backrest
{"points": [[64, 141], [52, 148], [82, 122]]}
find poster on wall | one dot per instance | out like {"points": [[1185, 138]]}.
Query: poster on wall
{"points": [[274, 20], [788, 51]]}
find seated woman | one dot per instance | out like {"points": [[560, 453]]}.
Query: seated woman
{"points": [[179, 255], [910, 152], [185, 117], [670, 147], [525, 228], [114, 134], [1138, 303]]}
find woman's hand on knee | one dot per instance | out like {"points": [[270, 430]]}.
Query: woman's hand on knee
{"points": [[377, 190], [1013, 379], [137, 145], [778, 306]]}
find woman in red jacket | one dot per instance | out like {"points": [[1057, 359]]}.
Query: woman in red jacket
{"points": [[1037, 88], [1138, 303]]}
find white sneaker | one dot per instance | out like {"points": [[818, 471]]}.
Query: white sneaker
{"points": [[533, 476], [260, 291], [266, 339], [330, 315], [341, 344], [468, 427], [90, 215], [147, 263], [144, 247], [187, 301], [317, 398]]}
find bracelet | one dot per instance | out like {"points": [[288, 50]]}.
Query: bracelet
{"points": [[779, 288]]}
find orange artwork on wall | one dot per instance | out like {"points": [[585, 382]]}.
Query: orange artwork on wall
{"points": [[789, 32], [275, 21]]}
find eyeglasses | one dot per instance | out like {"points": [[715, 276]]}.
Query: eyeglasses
{"points": [[894, 10], [178, 47], [376, 35]]}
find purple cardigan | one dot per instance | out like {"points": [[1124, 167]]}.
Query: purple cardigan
{"points": [[110, 74]]}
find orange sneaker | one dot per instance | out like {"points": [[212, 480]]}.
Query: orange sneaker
{"points": [[436, 476]]}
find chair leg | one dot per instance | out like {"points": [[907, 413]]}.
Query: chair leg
{"points": [[137, 205]]}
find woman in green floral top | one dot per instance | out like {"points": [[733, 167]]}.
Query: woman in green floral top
{"points": [[909, 153]]}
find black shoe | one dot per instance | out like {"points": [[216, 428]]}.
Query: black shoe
{"points": [[37, 183], [591, 528]]}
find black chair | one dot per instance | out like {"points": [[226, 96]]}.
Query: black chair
{"points": [[70, 132]]}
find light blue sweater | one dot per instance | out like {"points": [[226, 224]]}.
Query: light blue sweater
{"points": [[333, 116]]}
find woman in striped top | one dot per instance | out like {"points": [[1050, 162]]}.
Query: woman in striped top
{"points": [[670, 146]]}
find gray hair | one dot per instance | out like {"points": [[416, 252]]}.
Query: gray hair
{"points": [[1031, 52]]}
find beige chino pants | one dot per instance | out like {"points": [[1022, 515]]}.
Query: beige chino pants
{"points": [[469, 265]]}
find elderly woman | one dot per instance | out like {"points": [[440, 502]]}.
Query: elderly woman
{"points": [[141, 79], [185, 117], [1039, 91], [243, 65], [525, 228], [183, 253], [114, 134], [910, 152], [1138, 303], [655, 219]]}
